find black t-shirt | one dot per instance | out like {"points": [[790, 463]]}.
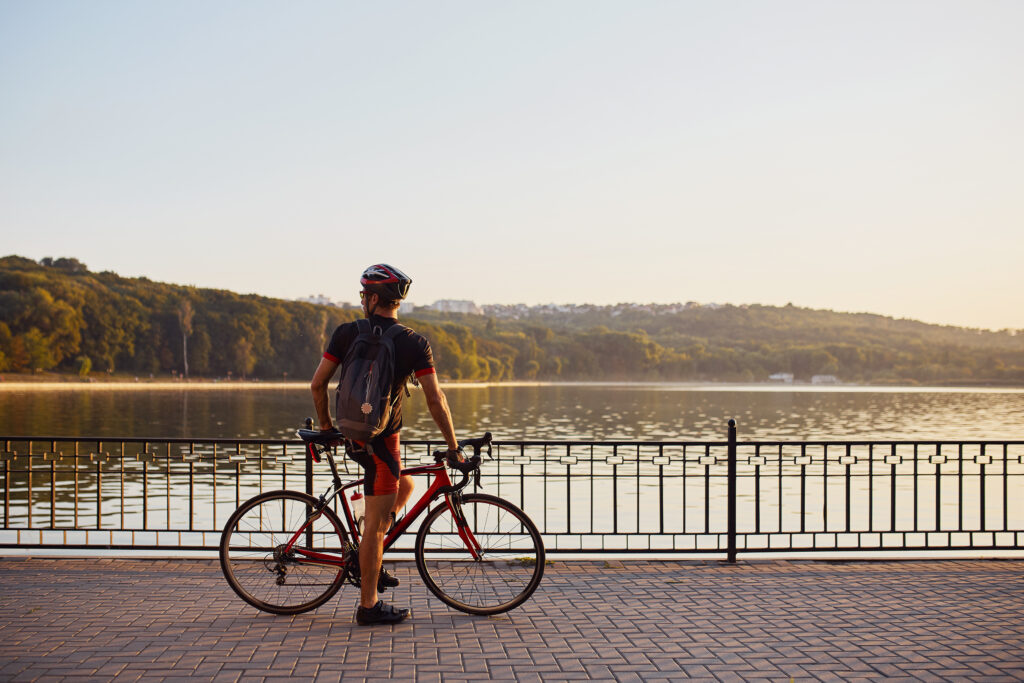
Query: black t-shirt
{"points": [[412, 357]]}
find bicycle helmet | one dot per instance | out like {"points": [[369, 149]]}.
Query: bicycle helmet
{"points": [[386, 281]]}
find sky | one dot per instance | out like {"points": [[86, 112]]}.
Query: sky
{"points": [[861, 156]]}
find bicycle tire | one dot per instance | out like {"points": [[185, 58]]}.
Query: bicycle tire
{"points": [[509, 569], [276, 584]]}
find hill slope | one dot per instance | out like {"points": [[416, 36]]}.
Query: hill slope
{"points": [[57, 315]]}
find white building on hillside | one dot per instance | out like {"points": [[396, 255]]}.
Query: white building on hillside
{"points": [[456, 306], [318, 299]]}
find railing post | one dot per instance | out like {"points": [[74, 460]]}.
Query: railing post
{"points": [[731, 552], [309, 463], [309, 484]]}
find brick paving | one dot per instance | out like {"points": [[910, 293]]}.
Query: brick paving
{"points": [[129, 619]]}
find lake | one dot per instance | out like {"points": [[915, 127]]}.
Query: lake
{"points": [[592, 411], [580, 495]]}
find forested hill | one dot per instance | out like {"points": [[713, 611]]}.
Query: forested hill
{"points": [[56, 315]]}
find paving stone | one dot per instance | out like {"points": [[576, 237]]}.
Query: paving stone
{"points": [[127, 619]]}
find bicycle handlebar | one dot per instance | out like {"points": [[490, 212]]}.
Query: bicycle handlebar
{"points": [[477, 445], [472, 465], [334, 437], [319, 442]]}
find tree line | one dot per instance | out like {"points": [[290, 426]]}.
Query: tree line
{"points": [[57, 315]]}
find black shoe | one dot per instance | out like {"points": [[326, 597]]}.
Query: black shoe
{"points": [[386, 580], [380, 613]]}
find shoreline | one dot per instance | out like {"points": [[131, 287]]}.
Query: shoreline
{"points": [[138, 384]]}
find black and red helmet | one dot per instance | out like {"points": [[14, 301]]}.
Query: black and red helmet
{"points": [[386, 281]]}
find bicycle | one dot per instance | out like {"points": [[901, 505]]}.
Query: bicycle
{"points": [[287, 552]]}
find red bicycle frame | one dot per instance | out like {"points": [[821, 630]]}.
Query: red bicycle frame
{"points": [[440, 481]]}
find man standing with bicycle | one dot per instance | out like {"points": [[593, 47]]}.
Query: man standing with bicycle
{"points": [[387, 492]]}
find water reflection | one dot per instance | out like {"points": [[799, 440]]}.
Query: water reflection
{"points": [[613, 412], [568, 411], [583, 493]]}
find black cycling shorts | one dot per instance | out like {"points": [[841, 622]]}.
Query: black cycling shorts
{"points": [[381, 463]]}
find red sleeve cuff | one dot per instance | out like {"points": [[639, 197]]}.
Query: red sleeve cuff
{"points": [[332, 358], [425, 371]]}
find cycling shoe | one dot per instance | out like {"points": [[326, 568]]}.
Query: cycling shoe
{"points": [[381, 613]]}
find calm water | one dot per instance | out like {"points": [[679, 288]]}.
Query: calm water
{"points": [[568, 411], [622, 412]]}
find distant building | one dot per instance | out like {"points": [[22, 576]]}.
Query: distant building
{"points": [[456, 306], [318, 299], [514, 311], [784, 377]]}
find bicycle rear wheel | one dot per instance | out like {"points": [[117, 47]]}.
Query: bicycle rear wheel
{"points": [[256, 565], [510, 565]]}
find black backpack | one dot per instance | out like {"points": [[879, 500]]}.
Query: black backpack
{"points": [[364, 396]]}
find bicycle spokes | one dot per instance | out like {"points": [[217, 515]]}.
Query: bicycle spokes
{"points": [[274, 567], [484, 556]]}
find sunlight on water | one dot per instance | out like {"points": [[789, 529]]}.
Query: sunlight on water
{"points": [[526, 412], [663, 493]]}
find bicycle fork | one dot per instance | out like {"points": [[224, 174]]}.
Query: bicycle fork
{"points": [[465, 533]]}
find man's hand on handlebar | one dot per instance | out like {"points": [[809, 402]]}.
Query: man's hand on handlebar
{"points": [[332, 431], [458, 454], [455, 458]]}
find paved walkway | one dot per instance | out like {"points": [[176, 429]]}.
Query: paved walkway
{"points": [[154, 619]]}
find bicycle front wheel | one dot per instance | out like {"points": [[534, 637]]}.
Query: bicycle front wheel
{"points": [[508, 568], [257, 565]]}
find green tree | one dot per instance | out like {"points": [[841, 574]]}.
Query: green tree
{"points": [[56, 311], [201, 352], [185, 315], [805, 361], [38, 350], [244, 357], [5, 346]]}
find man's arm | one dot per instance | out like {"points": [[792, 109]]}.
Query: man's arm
{"points": [[321, 379], [438, 405]]}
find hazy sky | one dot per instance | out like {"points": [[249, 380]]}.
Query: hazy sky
{"points": [[859, 156]]}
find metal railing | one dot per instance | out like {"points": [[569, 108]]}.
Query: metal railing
{"points": [[723, 497]]}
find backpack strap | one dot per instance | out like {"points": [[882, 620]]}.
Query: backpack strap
{"points": [[395, 330], [363, 326], [392, 333]]}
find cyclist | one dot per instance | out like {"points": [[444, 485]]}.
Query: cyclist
{"points": [[383, 288]]}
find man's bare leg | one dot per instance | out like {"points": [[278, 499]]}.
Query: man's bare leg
{"points": [[405, 487], [371, 548]]}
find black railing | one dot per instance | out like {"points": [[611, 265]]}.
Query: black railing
{"points": [[724, 497]]}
